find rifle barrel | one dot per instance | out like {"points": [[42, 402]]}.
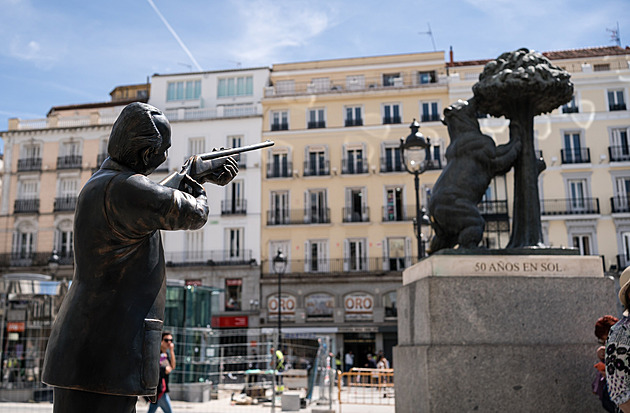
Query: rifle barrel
{"points": [[233, 151]]}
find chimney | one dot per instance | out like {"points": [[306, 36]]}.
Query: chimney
{"points": [[450, 54]]}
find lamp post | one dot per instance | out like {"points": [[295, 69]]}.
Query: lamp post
{"points": [[279, 265], [413, 154], [53, 263]]}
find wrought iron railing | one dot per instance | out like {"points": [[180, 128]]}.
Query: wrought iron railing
{"points": [[354, 166], [298, 216], [317, 168], [577, 155], [26, 205], [234, 207], [377, 265], [570, 206], [619, 153], [354, 214], [29, 164], [66, 203], [69, 162], [279, 170], [209, 258], [620, 204], [403, 213]]}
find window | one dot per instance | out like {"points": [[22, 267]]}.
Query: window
{"points": [[620, 145], [353, 116], [583, 243], [63, 242], [279, 165], [280, 120], [355, 255], [391, 113], [183, 90], [396, 256], [356, 209], [389, 302], [434, 156], [621, 201], [316, 256], [426, 77], [391, 161], [196, 146], [285, 87], [602, 67], [194, 246], [69, 155], [625, 255], [316, 119], [30, 158], [28, 189], [316, 161], [236, 141], [394, 209], [616, 100], [430, 112], [321, 84], [316, 207], [577, 195], [23, 244], [572, 151], [234, 202], [285, 247], [233, 294], [570, 107], [236, 86], [279, 208], [355, 82], [319, 305], [66, 198], [354, 161], [392, 79], [234, 240]]}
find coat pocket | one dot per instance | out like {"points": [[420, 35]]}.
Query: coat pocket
{"points": [[151, 353]]}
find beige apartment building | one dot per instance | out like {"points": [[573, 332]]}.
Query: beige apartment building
{"points": [[336, 198]]}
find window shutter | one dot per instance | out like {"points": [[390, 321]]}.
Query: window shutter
{"points": [[385, 255], [407, 252], [346, 255]]}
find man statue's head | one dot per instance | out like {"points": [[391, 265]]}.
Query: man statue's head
{"points": [[140, 138]]}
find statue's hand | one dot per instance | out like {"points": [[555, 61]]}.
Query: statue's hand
{"points": [[217, 171]]}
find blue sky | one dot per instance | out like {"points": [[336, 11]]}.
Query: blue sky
{"points": [[76, 51]]}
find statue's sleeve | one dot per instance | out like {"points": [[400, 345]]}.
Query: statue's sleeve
{"points": [[140, 206]]}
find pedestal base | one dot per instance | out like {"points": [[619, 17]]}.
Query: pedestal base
{"points": [[499, 340]]}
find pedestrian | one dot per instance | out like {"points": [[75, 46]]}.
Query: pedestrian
{"points": [[167, 364], [618, 351], [104, 347], [600, 388], [349, 361]]}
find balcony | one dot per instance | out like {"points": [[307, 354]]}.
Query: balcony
{"points": [[316, 124], [620, 204], [623, 261], [298, 217], [100, 158], [279, 169], [387, 165], [234, 207], [390, 120], [354, 122], [360, 265], [494, 210], [578, 155], [430, 117], [66, 203], [219, 112], [29, 164], [24, 259], [570, 109], [399, 214], [69, 162], [354, 166], [279, 126], [616, 106], [317, 168], [209, 258], [26, 206], [432, 164], [356, 214], [619, 153], [568, 206]]}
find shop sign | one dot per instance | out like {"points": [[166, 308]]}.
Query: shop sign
{"points": [[229, 321], [319, 305], [193, 283], [287, 306], [359, 306], [231, 282], [16, 326]]}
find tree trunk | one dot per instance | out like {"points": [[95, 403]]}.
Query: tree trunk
{"points": [[526, 227]]}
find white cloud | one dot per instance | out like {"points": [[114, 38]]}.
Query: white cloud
{"points": [[271, 26]]}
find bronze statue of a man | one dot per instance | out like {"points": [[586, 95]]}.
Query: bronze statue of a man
{"points": [[104, 348]]}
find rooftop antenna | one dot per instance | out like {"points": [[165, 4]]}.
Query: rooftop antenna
{"points": [[615, 36], [430, 33]]}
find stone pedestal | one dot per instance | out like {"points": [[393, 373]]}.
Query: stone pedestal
{"points": [[500, 333]]}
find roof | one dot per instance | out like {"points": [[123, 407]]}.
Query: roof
{"points": [[96, 105], [559, 55]]}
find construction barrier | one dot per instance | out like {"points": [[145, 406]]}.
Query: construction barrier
{"points": [[366, 387]]}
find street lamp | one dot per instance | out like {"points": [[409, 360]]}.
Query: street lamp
{"points": [[413, 154], [279, 265], [53, 263]]}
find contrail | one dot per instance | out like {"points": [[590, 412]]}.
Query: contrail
{"points": [[170, 29]]}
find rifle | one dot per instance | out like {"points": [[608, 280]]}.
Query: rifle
{"points": [[233, 151]]}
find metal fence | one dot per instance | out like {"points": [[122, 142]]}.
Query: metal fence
{"points": [[362, 386], [217, 371]]}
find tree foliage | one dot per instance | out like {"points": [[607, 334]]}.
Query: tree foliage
{"points": [[519, 80]]}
